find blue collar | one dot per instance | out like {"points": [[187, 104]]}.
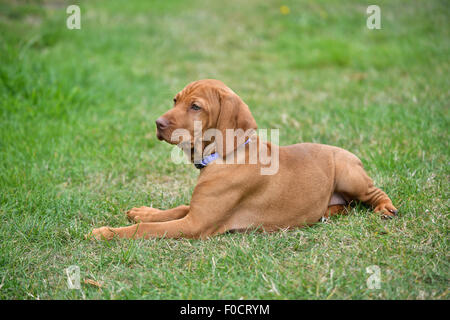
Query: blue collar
{"points": [[213, 156]]}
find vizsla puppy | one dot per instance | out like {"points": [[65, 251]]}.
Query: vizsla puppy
{"points": [[312, 180]]}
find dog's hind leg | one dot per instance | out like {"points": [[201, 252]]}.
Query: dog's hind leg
{"points": [[353, 181], [334, 210], [338, 205]]}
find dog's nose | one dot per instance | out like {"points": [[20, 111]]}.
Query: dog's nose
{"points": [[162, 123]]}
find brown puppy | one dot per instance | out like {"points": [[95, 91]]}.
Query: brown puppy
{"points": [[312, 180]]}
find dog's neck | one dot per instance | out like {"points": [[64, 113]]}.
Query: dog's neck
{"points": [[213, 156], [210, 153]]}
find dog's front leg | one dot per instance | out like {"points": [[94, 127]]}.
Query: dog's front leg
{"points": [[148, 214], [181, 228]]}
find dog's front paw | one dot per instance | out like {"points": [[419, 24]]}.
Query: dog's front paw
{"points": [[103, 233], [141, 214]]}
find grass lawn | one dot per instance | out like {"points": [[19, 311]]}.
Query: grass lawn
{"points": [[78, 145]]}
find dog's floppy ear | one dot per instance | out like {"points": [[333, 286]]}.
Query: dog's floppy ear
{"points": [[234, 114]]}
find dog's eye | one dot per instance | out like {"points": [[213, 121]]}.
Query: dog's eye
{"points": [[174, 100], [195, 107]]}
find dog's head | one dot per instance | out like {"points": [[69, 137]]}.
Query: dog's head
{"points": [[206, 104]]}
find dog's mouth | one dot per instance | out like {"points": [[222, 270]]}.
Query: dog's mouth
{"points": [[164, 135], [180, 141], [160, 136]]}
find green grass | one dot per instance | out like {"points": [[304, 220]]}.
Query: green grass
{"points": [[77, 144]]}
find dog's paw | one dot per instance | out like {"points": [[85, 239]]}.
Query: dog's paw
{"points": [[387, 210], [103, 233], [141, 214]]}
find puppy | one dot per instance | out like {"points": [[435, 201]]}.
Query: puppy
{"points": [[233, 192]]}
